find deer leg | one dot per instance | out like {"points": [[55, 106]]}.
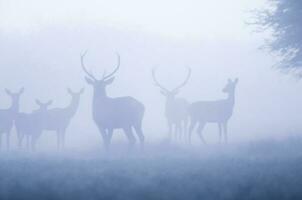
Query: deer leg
{"points": [[220, 133], [110, 134], [170, 130], [180, 130], [27, 141], [7, 140], [58, 139], [33, 142], [19, 135], [140, 134], [225, 131], [175, 131], [63, 139], [20, 139], [33, 139], [199, 131], [185, 129], [105, 137], [130, 136], [191, 129]]}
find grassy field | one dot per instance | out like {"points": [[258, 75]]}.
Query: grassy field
{"points": [[259, 170]]}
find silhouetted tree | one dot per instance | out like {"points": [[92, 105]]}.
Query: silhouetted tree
{"points": [[283, 18]]}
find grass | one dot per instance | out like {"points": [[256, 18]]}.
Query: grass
{"points": [[259, 170]]}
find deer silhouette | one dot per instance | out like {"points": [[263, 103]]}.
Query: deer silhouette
{"points": [[219, 112], [114, 113], [7, 116], [31, 124], [58, 119], [176, 109]]}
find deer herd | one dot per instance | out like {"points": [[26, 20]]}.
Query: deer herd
{"points": [[124, 113]]}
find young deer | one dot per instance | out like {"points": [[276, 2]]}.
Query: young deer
{"points": [[7, 116], [219, 112], [58, 119], [31, 124], [114, 113], [176, 109]]}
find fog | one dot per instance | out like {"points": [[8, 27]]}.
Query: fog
{"points": [[41, 52], [41, 45]]}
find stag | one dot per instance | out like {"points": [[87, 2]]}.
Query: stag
{"points": [[114, 113], [31, 124], [219, 112], [58, 119], [7, 116], [176, 109]]}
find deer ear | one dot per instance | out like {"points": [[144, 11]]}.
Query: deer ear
{"points": [[38, 102], [89, 81], [21, 90], [174, 92], [109, 81], [163, 92], [49, 103], [69, 91], [8, 92]]}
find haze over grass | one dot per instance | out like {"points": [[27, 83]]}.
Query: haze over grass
{"points": [[259, 170]]}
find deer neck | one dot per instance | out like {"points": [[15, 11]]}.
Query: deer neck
{"points": [[73, 106], [231, 98], [99, 97], [14, 108], [169, 103]]}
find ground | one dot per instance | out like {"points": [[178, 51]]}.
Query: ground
{"points": [[258, 170]]}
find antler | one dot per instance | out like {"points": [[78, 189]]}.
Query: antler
{"points": [[84, 68], [115, 70], [156, 82], [186, 80]]}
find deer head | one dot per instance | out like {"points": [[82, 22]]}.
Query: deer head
{"points": [[43, 106], [99, 85], [75, 95], [230, 86], [170, 94], [15, 95]]}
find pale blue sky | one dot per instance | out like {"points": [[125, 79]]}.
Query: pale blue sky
{"points": [[202, 19]]}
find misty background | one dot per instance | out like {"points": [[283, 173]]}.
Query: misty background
{"points": [[41, 43]]}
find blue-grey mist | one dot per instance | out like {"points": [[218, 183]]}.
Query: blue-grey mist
{"points": [[263, 130], [47, 63]]}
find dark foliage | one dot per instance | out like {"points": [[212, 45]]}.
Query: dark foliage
{"points": [[283, 19]]}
